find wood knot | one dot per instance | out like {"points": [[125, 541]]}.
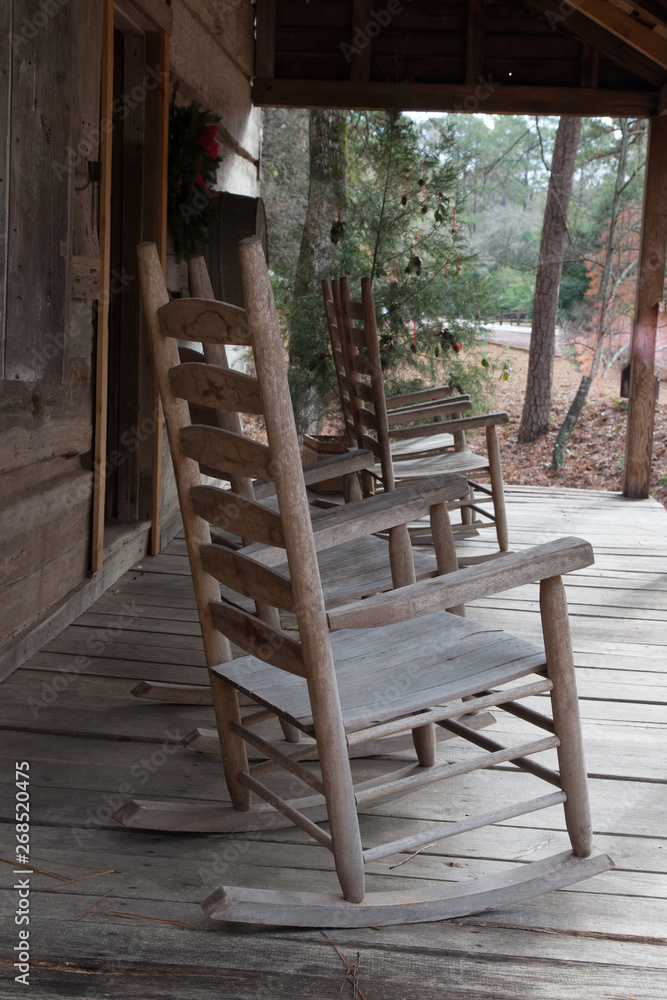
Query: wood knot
{"points": [[35, 403]]}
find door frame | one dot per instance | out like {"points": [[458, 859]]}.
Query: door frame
{"points": [[134, 16]]}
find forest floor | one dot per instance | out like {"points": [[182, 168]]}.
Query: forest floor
{"points": [[594, 458]]}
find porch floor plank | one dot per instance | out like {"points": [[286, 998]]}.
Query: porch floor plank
{"points": [[91, 746]]}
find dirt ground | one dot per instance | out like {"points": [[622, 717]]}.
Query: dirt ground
{"points": [[595, 451]]}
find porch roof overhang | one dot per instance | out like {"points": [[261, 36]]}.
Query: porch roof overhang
{"points": [[588, 57]]}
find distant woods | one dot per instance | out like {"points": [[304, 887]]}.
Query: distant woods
{"points": [[373, 194], [478, 222]]}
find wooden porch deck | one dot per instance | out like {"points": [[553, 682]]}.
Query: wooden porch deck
{"points": [[130, 924]]}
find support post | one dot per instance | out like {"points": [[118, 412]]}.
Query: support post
{"points": [[650, 288], [155, 230], [102, 343]]}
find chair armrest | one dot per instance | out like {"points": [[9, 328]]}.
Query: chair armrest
{"points": [[337, 465], [464, 585], [462, 424], [419, 396], [365, 517], [425, 410], [414, 407]]}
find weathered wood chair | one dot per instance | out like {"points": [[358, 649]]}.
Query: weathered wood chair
{"points": [[420, 404], [406, 447], [392, 657], [376, 577]]}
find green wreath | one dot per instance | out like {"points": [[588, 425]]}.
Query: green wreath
{"points": [[192, 207]]}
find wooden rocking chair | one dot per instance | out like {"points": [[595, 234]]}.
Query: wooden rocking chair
{"points": [[381, 574], [393, 658], [408, 451]]}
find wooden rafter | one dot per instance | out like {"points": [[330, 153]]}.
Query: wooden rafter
{"points": [[607, 44], [360, 57], [656, 9], [629, 29], [475, 41]]}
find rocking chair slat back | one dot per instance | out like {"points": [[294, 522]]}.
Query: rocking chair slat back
{"points": [[222, 388], [244, 517], [257, 638], [226, 451], [248, 577], [206, 321]]}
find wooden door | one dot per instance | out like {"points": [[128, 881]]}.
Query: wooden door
{"points": [[133, 209]]}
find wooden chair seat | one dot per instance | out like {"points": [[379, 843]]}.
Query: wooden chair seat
{"points": [[401, 450], [422, 466], [448, 658]]}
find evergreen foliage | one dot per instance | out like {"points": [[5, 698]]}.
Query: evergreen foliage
{"points": [[400, 229], [494, 170], [191, 206]]}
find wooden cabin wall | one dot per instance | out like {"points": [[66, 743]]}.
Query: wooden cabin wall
{"points": [[49, 278], [50, 242], [212, 59]]}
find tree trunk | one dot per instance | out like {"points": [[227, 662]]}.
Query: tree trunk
{"points": [[537, 401], [579, 401], [326, 197], [308, 338]]}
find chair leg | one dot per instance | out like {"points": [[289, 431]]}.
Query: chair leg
{"points": [[403, 575], [497, 488], [565, 706], [400, 557], [351, 488], [232, 746], [445, 547], [271, 616], [466, 512], [341, 806], [424, 740]]}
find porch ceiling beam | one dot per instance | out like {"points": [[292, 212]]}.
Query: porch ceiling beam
{"points": [[640, 37], [491, 98], [586, 30], [148, 15]]}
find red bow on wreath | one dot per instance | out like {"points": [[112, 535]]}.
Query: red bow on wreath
{"points": [[206, 138]]}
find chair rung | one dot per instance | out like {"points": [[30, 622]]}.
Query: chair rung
{"points": [[446, 830], [480, 510], [482, 741], [438, 773], [457, 504], [491, 700], [481, 487], [530, 715], [287, 810], [276, 758], [253, 718], [462, 529]]}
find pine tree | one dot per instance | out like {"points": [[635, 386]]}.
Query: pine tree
{"points": [[398, 226], [402, 231]]}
